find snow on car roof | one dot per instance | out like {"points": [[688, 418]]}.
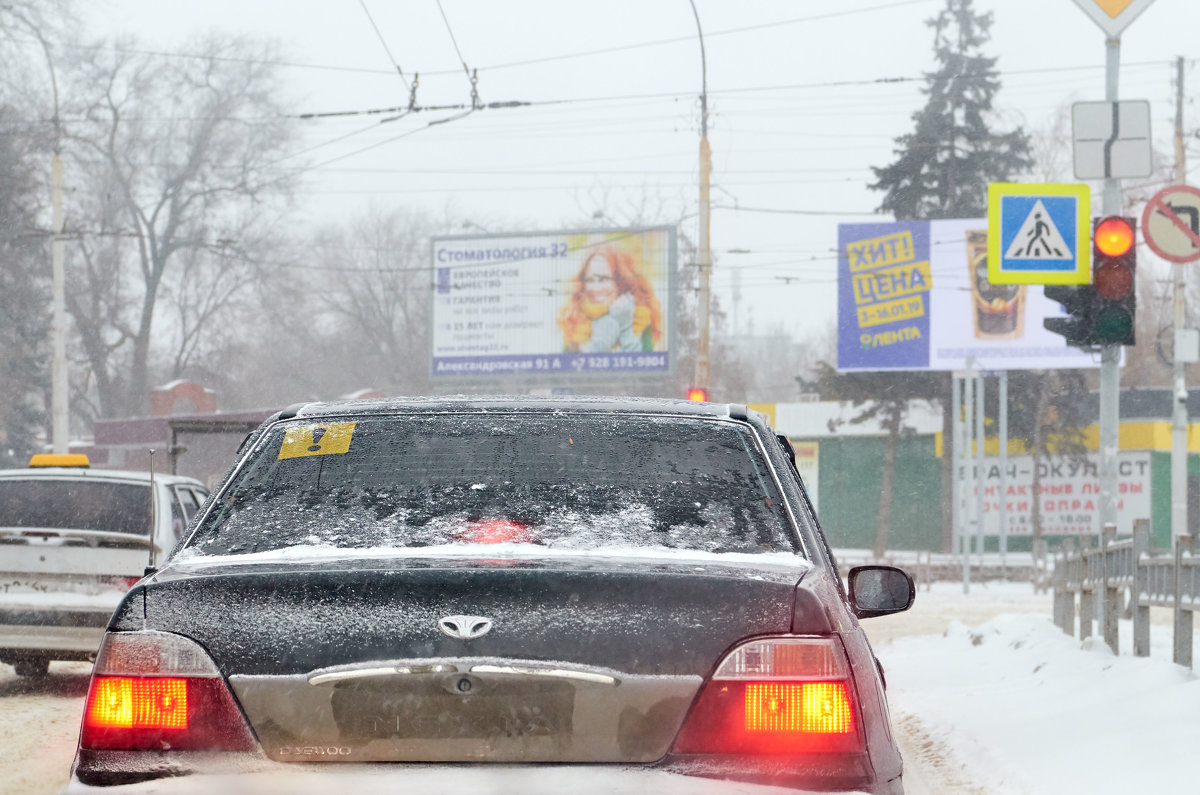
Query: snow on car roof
{"points": [[588, 403], [78, 473]]}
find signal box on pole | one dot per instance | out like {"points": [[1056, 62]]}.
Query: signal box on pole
{"points": [[1114, 278], [1103, 312]]}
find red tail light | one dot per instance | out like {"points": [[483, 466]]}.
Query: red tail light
{"points": [[776, 696], [155, 690], [123, 702]]}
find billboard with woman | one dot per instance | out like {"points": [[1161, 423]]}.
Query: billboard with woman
{"points": [[596, 301]]}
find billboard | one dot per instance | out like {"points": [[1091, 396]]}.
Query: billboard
{"points": [[914, 295], [597, 301], [1069, 493]]}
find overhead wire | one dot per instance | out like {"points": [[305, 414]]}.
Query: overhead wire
{"points": [[691, 39], [383, 41], [898, 79]]}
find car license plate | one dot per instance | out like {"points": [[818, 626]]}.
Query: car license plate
{"points": [[453, 706]]}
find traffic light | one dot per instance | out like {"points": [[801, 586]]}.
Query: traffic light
{"points": [[698, 394], [1079, 302], [1114, 271], [1103, 312]]}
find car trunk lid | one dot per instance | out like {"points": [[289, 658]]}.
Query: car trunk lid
{"points": [[367, 659]]}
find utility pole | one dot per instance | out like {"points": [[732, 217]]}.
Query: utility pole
{"points": [[1110, 355], [58, 330], [1179, 509], [703, 372], [59, 422]]}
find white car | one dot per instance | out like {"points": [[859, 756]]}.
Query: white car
{"points": [[73, 540]]}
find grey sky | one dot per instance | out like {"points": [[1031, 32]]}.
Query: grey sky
{"points": [[796, 122]]}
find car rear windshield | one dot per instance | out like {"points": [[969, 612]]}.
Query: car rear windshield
{"points": [[65, 504], [562, 480]]}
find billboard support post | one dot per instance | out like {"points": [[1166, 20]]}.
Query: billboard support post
{"points": [[980, 439], [1003, 404], [964, 537], [955, 452]]}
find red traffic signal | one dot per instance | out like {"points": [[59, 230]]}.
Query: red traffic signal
{"points": [[698, 394], [1113, 236], [1114, 267]]}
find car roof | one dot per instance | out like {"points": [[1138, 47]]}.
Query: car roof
{"points": [[78, 473], [520, 403]]}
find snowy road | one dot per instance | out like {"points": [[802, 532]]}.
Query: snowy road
{"points": [[39, 724]]}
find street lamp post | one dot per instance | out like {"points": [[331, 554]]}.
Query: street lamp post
{"points": [[59, 384], [703, 372]]}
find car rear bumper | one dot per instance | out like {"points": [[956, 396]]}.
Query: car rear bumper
{"points": [[75, 641], [251, 772], [272, 778]]}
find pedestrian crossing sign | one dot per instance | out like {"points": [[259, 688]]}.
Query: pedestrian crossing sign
{"points": [[1038, 233]]}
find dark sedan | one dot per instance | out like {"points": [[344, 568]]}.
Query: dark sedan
{"points": [[629, 585]]}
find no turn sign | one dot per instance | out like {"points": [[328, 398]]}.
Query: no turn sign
{"points": [[1171, 223]]}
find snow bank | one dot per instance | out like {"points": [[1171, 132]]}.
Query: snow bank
{"points": [[1015, 705]]}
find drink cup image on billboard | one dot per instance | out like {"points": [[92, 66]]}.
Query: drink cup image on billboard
{"points": [[610, 307], [998, 309]]}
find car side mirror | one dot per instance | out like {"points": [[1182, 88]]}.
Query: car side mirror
{"points": [[880, 590]]}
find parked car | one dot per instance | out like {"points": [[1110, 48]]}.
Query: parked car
{"points": [[72, 542], [633, 585]]}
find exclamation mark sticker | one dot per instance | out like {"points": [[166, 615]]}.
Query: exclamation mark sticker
{"points": [[330, 438]]}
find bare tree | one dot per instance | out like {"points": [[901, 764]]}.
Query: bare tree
{"points": [[372, 276], [24, 300], [172, 175]]}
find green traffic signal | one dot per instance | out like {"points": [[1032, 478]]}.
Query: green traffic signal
{"points": [[1113, 325]]}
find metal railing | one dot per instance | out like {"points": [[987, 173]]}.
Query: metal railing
{"points": [[1127, 572]]}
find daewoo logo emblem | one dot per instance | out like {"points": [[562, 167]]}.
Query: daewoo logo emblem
{"points": [[465, 627]]}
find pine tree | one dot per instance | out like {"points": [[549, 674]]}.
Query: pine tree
{"points": [[943, 167], [942, 170]]}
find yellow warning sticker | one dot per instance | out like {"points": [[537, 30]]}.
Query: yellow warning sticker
{"points": [[331, 438]]}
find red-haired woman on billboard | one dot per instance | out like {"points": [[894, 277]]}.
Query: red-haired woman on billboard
{"points": [[613, 307]]}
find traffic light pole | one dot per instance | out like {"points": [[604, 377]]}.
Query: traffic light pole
{"points": [[1110, 355]]}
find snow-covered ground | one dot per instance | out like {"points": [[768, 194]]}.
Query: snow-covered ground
{"points": [[1011, 704], [987, 697]]}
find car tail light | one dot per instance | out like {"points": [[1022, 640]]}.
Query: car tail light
{"points": [[156, 690], [776, 696]]}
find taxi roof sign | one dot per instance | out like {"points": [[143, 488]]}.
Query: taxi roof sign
{"points": [[1113, 16], [59, 460], [1038, 233]]}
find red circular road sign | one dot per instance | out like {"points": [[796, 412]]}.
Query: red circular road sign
{"points": [[1171, 223]]}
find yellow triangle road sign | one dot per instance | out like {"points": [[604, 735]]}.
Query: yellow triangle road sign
{"points": [[1113, 16]]}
